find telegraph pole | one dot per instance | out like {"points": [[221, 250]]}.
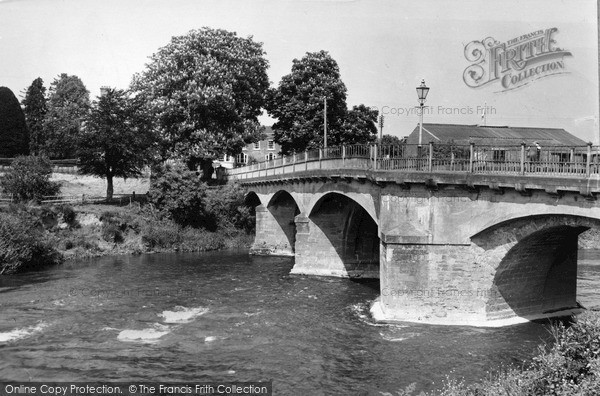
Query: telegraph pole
{"points": [[325, 122]]}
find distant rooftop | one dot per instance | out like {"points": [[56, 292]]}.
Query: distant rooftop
{"points": [[464, 134]]}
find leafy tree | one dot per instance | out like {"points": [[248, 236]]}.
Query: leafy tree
{"points": [[117, 139], [179, 193], [14, 137], [297, 103], [68, 104], [29, 179], [206, 90], [35, 108], [391, 140], [360, 126]]}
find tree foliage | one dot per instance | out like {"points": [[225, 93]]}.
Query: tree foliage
{"points": [[391, 140], [206, 90], [183, 197], [68, 104], [117, 140], [14, 137], [360, 126], [35, 109], [29, 179], [180, 194], [298, 105], [23, 245]]}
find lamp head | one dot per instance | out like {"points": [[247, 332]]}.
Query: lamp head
{"points": [[422, 91]]}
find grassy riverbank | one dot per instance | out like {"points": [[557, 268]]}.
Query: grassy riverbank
{"points": [[63, 232]]}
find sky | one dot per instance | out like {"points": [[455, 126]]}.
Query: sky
{"points": [[384, 48]]}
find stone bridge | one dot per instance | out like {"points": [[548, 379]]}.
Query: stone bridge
{"points": [[452, 240]]}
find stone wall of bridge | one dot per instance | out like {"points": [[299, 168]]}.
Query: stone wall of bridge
{"points": [[444, 253]]}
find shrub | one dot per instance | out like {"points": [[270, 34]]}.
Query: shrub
{"points": [[570, 366], [183, 197], [573, 358], [112, 233], [180, 194], [23, 245], [68, 214], [226, 204], [29, 179], [161, 235], [115, 225]]}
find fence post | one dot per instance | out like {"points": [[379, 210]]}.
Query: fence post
{"points": [[294, 162], [320, 157], [374, 157], [343, 155], [430, 159], [471, 156], [522, 158], [572, 155], [589, 159], [305, 159]]}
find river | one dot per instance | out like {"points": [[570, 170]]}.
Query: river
{"points": [[227, 316]]}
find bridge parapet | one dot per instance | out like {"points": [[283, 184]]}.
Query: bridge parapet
{"points": [[556, 161]]}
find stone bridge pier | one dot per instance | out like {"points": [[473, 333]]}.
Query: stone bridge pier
{"points": [[456, 252]]}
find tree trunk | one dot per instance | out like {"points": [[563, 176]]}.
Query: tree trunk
{"points": [[109, 188]]}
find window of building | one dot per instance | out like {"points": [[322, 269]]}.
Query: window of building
{"points": [[271, 145], [241, 158], [269, 156], [257, 146], [499, 155]]}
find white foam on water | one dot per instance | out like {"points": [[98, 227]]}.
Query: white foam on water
{"points": [[149, 335], [392, 339], [21, 333], [252, 313], [182, 314], [210, 339]]}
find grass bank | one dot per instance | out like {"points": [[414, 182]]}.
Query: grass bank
{"points": [[64, 232]]}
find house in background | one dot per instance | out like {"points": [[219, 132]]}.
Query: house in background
{"points": [[498, 143], [263, 150], [493, 135]]}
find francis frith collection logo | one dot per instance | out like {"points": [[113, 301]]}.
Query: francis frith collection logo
{"points": [[516, 62]]}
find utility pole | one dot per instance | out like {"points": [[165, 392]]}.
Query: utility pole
{"points": [[325, 122]]}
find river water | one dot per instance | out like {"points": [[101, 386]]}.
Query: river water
{"points": [[228, 316]]}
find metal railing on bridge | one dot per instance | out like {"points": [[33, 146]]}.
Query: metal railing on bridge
{"points": [[447, 158]]}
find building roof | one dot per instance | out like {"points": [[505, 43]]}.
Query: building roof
{"points": [[268, 131], [464, 134]]}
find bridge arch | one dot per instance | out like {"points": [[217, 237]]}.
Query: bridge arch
{"points": [[252, 199], [534, 263], [284, 208], [275, 226], [342, 234], [365, 201]]}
